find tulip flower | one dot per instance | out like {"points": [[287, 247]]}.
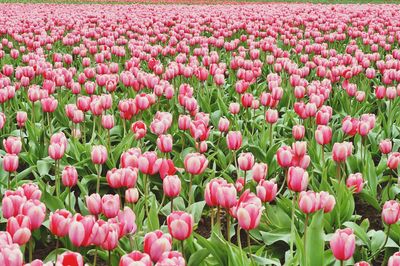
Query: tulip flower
{"points": [[394, 260], [343, 244], [259, 171], [131, 195], [135, 257], [156, 243], [180, 225], [266, 190], [171, 258], [195, 164], [69, 258], [110, 205], [19, 228], [99, 157], [355, 182], [59, 222], [10, 165], [171, 187]]}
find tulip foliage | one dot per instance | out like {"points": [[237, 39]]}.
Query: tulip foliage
{"points": [[260, 134]]}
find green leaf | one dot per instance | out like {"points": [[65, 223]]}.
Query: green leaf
{"points": [[315, 241], [198, 257], [152, 220], [196, 209]]}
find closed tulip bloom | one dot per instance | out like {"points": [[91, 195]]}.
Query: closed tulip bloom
{"points": [[110, 205], [5, 239], [343, 244], [171, 186], [327, 201], [59, 222], [171, 258], [298, 132], [355, 182], [259, 171], [341, 151], [69, 258], [393, 160], [80, 230], [69, 176], [156, 243], [164, 143], [391, 212], [394, 260], [107, 121], [10, 163], [99, 232], [19, 227], [11, 255], [111, 240], [246, 161], [93, 203], [39, 263], [223, 124], [36, 211], [99, 154], [309, 202], [323, 135], [131, 195], [180, 225], [234, 140], [211, 190], [130, 158], [12, 145], [299, 148], [284, 156], [297, 179], [385, 146], [22, 117], [266, 190], [234, 108], [135, 258], [184, 122], [195, 163], [49, 104], [249, 215], [149, 163], [226, 196], [271, 116], [31, 191], [56, 151], [11, 205], [139, 129]]}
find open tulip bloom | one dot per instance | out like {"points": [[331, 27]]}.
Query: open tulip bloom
{"points": [[209, 134]]}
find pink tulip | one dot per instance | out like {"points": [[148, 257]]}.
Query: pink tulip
{"points": [[266, 190], [327, 201], [148, 163], [174, 258], [184, 122], [245, 161], [343, 244], [21, 118], [99, 154], [298, 132], [195, 163], [341, 151], [385, 146], [323, 135], [271, 116], [69, 258], [135, 258], [36, 211], [309, 202], [131, 195], [156, 243], [12, 145], [59, 222], [10, 163], [93, 203], [164, 143], [234, 140], [110, 205], [171, 186], [11, 205], [11, 255], [226, 195], [393, 160], [297, 179], [362, 263], [19, 227], [107, 121], [31, 191], [394, 260], [69, 176], [259, 171], [80, 230], [284, 156], [56, 150], [391, 212], [223, 124], [355, 182], [130, 158], [249, 213], [111, 238], [180, 225]]}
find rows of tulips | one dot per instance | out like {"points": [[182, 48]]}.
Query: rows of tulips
{"points": [[179, 135]]}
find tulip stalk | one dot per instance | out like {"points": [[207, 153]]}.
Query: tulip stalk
{"points": [[95, 256], [9, 181], [190, 190], [98, 178], [292, 225], [145, 187], [305, 237], [239, 242], [228, 226], [57, 177]]}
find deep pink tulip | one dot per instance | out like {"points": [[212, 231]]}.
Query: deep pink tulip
{"points": [[297, 179], [93, 203], [174, 258], [69, 176], [343, 244], [266, 190], [107, 121], [99, 154], [180, 225], [10, 163], [385, 146], [394, 260], [164, 143], [110, 205], [323, 135], [69, 258], [259, 171], [298, 132], [19, 227], [12, 145], [135, 258], [391, 212], [131, 195], [226, 195], [393, 160], [355, 182], [80, 230], [284, 156], [149, 163], [59, 222], [234, 140], [245, 161], [36, 211], [195, 163], [156, 243], [341, 151], [171, 186]]}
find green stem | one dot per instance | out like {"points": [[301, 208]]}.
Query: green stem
{"points": [[69, 199], [271, 141], [146, 195], [190, 190], [292, 225], [30, 250], [228, 226], [109, 258], [95, 256], [57, 178], [9, 181], [172, 204], [239, 242], [305, 238], [98, 178]]}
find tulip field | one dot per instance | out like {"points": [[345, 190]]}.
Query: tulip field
{"points": [[199, 135]]}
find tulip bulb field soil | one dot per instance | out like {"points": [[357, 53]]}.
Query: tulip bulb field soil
{"points": [[199, 135]]}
